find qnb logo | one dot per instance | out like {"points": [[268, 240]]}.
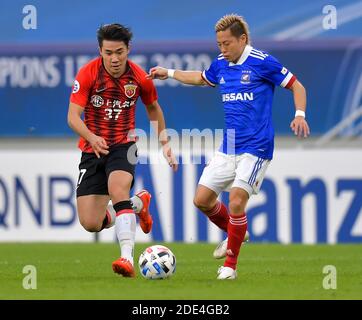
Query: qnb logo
{"points": [[249, 96]]}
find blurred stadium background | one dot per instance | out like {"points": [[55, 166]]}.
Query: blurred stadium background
{"points": [[313, 190]]}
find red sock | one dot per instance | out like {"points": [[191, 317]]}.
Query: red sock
{"points": [[219, 215], [236, 232]]}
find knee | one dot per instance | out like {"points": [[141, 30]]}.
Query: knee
{"points": [[90, 225], [118, 194], [201, 204], [237, 206]]}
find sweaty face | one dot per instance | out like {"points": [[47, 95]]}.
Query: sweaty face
{"points": [[115, 55], [230, 46]]}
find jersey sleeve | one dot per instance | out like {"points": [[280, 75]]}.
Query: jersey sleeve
{"points": [[148, 92], [81, 87], [210, 75], [276, 73]]}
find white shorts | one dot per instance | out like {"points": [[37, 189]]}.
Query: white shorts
{"points": [[226, 171]]}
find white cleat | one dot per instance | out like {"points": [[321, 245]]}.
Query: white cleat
{"points": [[226, 273], [220, 250]]}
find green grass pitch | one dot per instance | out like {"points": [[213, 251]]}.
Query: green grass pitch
{"points": [[265, 271]]}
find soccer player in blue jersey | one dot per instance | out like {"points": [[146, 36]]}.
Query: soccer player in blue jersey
{"points": [[247, 78]]}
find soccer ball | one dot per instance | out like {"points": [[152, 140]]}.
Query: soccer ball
{"points": [[157, 262]]}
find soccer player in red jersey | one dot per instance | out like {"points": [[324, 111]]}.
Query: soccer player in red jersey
{"points": [[106, 90]]}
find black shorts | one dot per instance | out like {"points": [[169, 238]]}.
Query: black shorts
{"points": [[94, 172]]}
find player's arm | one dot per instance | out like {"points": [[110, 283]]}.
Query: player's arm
{"points": [[299, 125], [186, 77], [75, 121], [156, 117]]}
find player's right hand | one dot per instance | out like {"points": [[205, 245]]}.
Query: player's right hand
{"points": [[99, 145], [157, 73], [170, 157]]}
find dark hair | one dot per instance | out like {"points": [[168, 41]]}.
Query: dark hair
{"points": [[115, 32]]}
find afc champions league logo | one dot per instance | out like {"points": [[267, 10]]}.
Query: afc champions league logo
{"points": [[130, 90], [76, 86]]}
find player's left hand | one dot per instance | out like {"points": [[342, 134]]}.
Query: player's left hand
{"points": [[300, 127], [170, 157]]}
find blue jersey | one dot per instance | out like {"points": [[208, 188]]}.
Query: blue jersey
{"points": [[247, 89]]}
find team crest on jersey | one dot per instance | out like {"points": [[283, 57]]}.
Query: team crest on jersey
{"points": [[97, 101], [245, 77], [130, 90]]}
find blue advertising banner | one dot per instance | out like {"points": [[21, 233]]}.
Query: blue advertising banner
{"points": [[299, 203], [35, 84]]}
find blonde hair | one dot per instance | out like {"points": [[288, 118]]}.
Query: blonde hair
{"points": [[237, 25]]}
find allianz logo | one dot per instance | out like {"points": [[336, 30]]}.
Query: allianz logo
{"points": [[238, 96]]}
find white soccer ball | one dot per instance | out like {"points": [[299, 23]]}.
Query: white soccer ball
{"points": [[157, 262]]}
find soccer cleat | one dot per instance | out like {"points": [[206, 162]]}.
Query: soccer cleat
{"points": [[226, 273], [144, 215], [220, 250], [123, 267]]}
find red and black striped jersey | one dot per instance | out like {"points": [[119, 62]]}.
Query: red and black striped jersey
{"points": [[110, 103]]}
